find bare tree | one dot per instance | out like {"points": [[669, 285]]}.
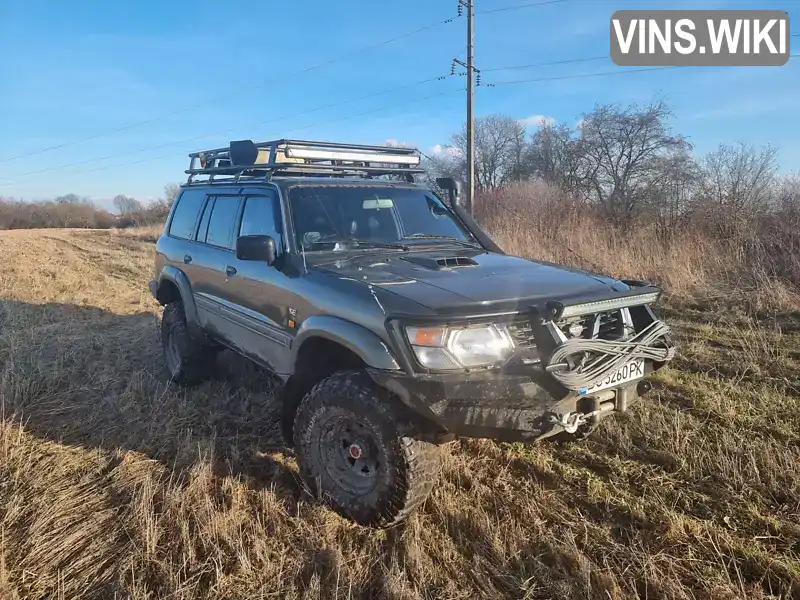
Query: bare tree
{"points": [[555, 156], [622, 148], [499, 148], [126, 205], [676, 178], [171, 191], [737, 184], [787, 193], [69, 199], [446, 162]]}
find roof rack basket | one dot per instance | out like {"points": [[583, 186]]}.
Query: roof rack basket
{"points": [[245, 160]]}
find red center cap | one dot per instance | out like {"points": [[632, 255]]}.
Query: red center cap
{"points": [[355, 451]]}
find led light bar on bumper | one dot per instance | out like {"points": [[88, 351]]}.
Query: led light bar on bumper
{"points": [[451, 348], [607, 305]]}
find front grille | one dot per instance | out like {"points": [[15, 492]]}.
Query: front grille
{"points": [[522, 334], [610, 326]]}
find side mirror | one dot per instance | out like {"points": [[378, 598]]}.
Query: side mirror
{"points": [[259, 248], [453, 188]]}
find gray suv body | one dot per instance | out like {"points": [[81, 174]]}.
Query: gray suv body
{"points": [[395, 323]]}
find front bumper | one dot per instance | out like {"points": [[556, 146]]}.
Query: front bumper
{"points": [[500, 406], [521, 400]]}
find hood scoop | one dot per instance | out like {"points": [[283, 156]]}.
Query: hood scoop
{"points": [[449, 262]]}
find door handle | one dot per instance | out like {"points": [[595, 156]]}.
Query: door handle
{"points": [[230, 271], [187, 259]]}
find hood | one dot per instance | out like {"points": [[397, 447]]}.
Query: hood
{"points": [[453, 279]]}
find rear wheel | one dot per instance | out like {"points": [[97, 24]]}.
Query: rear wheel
{"points": [[189, 361], [358, 454]]}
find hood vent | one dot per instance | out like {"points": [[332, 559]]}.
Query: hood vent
{"points": [[449, 262], [457, 261]]}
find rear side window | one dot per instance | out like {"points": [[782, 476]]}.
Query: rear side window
{"points": [[203, 229], [220, 225], [261, 216], [185, 216]]}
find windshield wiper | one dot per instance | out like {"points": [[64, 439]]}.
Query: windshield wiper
{"points": [[377, 244], [353, 242], [446, 238]]}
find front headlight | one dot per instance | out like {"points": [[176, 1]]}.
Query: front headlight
{"points": [[454, 347]]}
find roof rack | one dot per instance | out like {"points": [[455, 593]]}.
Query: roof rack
{"points": [[245, 160]]}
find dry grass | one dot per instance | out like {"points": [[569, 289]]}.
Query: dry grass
{"points": [[757, 270], [115, 485]]}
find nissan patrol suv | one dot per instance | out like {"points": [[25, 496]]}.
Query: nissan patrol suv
{"points": [[395, 323]]}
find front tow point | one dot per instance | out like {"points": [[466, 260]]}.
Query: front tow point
{"points": [[643, 387]]}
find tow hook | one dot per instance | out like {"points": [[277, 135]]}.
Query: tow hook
{"points": [[643, 387], [569, 422]]}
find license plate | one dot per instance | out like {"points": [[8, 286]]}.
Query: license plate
{"points": [[628, 372]]}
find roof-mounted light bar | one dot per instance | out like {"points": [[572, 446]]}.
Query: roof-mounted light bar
{"points": [[376, 157]]}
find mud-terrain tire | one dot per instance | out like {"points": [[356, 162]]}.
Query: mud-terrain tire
{"points": [[189, 361], [359, 455]]}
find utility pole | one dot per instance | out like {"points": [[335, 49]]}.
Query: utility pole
{"points": [[471, 71]]}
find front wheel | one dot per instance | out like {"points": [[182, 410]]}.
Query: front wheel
{"points": [[358, 454]]}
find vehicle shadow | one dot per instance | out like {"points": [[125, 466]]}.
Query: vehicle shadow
{"points": [[85, 376]]}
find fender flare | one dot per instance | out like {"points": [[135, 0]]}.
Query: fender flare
{"points": [[365, 344], [361, 341], [181, 281]]}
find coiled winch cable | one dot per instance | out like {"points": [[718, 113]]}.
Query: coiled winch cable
{"points": [[598, 359]]}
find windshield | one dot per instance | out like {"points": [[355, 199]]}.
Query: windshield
{"points": [[371, 215]]}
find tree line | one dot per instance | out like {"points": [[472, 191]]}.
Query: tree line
{"points": [[624, 164], [74, 211], [627, 163]]}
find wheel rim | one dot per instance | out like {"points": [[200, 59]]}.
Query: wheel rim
{"points": [[349, 454], [172, 353]]}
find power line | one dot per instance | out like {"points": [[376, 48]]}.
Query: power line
{"points": [[546, 64], [519, 6], [317, 124], [227, 95], [222, 132], [581, 75]]}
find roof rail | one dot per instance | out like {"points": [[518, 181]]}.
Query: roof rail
{"points": [[244, 160]]}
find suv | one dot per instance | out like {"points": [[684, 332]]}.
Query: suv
{"points": [[394, 322]]}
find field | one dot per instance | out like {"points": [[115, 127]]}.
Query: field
{"points": [[114, 484]]}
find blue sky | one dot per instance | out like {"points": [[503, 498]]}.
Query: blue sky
{"points": [[164, 71]]}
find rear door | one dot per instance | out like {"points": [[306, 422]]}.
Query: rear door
{"points": [[259, 292], [178, 245], [212, 253]]}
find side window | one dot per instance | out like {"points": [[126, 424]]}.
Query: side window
{"points": [[220, 225], [186, 212], [262, 216], [203, 229]]}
